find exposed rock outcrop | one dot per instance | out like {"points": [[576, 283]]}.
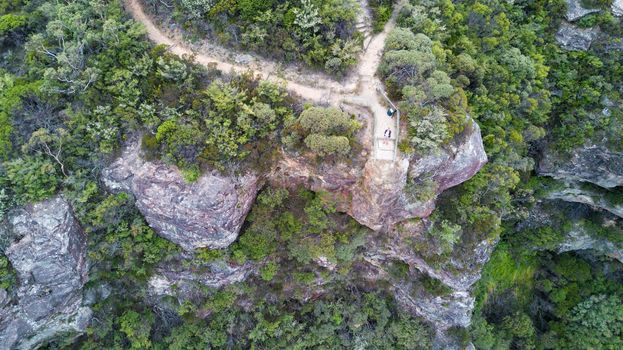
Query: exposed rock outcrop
{"points": [[173, 278], [581, 227], [595, 164], [573, 38], [49, 255], [376, 194], [593, 197], [617, 8], [205, 213], [579, 239], [456, 164], [452, 310], [575, 10], [455, 274]]}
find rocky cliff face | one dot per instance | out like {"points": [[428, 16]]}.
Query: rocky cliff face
{"points": [[578, 238], [177, 279], [376, 194], [205, 213], [575, 10], [438, 287], [574, 38], [594, 197], [595, 164], [49, 255]]}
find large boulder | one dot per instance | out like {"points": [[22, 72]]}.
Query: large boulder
{"points": [[380, 201], [206, 213], [575, 10], [573, 38], [595, 164], [49, 256]]}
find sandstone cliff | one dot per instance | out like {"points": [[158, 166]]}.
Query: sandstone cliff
{"points": [[205, 213], [49, 255]]}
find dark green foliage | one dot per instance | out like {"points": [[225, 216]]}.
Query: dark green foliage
{"points": [[31, 179], [325, 131], [7, 275], [381, 12]]}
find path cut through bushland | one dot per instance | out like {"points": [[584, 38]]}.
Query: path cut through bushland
{"points": [[360, 88]]}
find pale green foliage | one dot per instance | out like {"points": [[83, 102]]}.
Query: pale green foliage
{"points": [[438, 85], [520, 65], [196, 8], [447, 233], [430, 131], [65, 43], [327, 120], [404, 39], [172, 69], [326, 145], [307, 17]]}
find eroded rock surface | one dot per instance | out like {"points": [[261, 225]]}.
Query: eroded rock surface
{"points": [[595, 164], [376, 193], [575, 10], [461, 160], [617, 8], [574, 38], [205, 213], [452, 304], [49, 256], [590, 196], [579, 239], [175, 279]]}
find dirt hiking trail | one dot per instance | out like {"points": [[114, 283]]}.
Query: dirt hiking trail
{"points": [[360, 88]]}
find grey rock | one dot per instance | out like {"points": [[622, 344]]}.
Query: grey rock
{"points": [[575, 10], [461, 160], [453, 310], [379, 201], [579, 239], [579, 236], [595, 164], [617, 8], [205, 213], [581, 194], [243, 59], [49, 257], [459, 273], [97, 293], [176, 278], [573, 38]]}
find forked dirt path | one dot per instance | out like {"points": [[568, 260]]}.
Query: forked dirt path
{"points": [[360, 88]]}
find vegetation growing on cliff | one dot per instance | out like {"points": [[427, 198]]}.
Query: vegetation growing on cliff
{"points": [[524, 90], [78, 77]]}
